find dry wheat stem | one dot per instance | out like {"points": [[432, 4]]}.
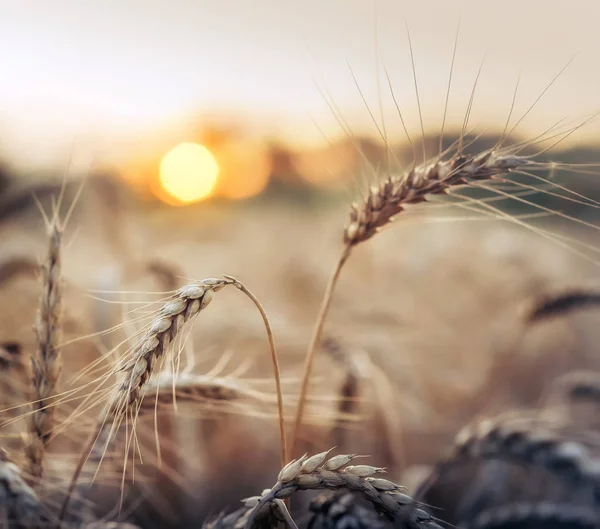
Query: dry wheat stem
{"points": [[379, 207], [275, 361], [320, 472], [46, 361], [312, 347]]}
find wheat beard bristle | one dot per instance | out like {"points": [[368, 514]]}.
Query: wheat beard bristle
{"points": [[46, 361], [136, 372], [186, 304], [138, 368]]}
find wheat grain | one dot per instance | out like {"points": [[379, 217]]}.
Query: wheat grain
{"points": [[187, 302], [379, 207], [46, 361], [390, 197], [318, 473]]}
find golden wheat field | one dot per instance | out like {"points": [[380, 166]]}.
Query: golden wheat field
{"points": [[243, 333]]}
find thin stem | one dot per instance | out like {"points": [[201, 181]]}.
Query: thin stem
{"points": [[276, 372], [315, 339]]}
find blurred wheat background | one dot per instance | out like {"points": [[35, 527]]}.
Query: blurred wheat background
{"points": [[195, 139]]}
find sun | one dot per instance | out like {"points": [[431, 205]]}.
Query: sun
{"points": [[188, 172]]}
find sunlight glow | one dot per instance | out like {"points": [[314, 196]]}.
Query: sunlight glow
{"points": [[245, 169], [188, 172]]}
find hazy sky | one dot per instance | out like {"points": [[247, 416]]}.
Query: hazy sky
{"points": [[109, 70]]}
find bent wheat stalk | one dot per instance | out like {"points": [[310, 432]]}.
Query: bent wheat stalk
{"points": [[378, 209], [187, 303], [46, 361]]}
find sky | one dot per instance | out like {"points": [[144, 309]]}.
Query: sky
{"points": [[112, 75]]}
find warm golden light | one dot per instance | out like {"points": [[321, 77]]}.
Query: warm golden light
{"points": [[327, 167], [188, 172], [246, 169]]}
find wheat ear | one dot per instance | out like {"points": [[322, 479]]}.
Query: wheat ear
{"points": [[525, 440], [46, 361], [137, 370], [382, 203], [319, 473]]}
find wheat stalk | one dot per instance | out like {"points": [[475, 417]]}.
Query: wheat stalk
{"points": [[378, 208], [46, 361], [320, 472], [138, 368]]}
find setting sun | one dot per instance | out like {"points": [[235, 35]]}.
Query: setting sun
{"points": [[188, 172]]}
